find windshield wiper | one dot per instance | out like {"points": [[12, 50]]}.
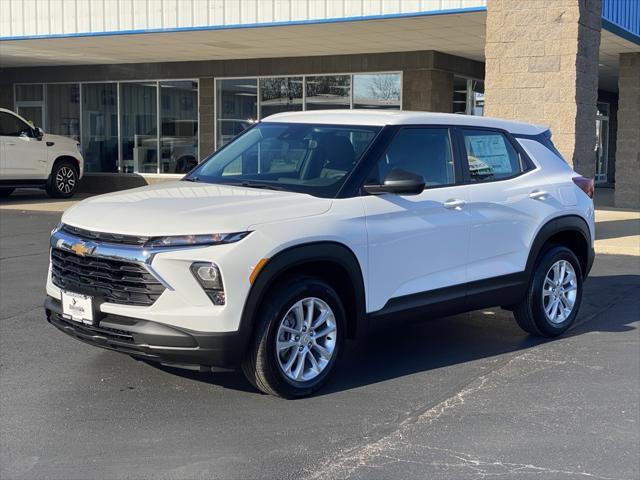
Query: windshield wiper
{"points": [[191, 179], [265, 186]]}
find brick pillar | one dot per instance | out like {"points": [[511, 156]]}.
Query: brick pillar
{"points": [[427, 90], [542, 67], [205, 117], [627, 192]]}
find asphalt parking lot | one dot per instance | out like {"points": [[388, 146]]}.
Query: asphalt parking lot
{"points": [[464, 397]]}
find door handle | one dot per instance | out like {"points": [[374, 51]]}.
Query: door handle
{"points": [[454, 203], [538, 195], [10, 143]]}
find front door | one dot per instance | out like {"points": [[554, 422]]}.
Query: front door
{"points": [[24, 156], [416, 243]]}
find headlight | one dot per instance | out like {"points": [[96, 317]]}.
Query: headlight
{"points": [[195, 240], [208, 276]]}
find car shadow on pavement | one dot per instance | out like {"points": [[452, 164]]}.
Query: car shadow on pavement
{"points": [[437, 343]]}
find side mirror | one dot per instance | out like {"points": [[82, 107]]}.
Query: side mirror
{"points": [[398, 181], [38, 133]]}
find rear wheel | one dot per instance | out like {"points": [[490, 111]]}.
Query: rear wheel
{"points": [[5, 192], [299, 334], [63, 181], [554, 295]]}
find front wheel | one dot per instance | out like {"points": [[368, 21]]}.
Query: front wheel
{"points": [[298, 336], [63, 181], [554, 295]]}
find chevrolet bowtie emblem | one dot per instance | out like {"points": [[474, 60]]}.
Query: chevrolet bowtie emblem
{"points": [[82, 249]]}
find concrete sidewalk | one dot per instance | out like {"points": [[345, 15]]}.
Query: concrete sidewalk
{"points": [[617, 231]]}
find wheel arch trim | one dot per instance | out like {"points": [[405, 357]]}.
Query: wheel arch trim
{"points": [[296, 256], [565, 223]]}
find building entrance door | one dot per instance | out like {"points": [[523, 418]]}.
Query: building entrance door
{"points": [[602, 142]]}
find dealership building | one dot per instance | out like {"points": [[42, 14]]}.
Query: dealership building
{"points": [[150, 87]]}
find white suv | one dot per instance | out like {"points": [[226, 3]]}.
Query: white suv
{"points": [[31, 158], [314, 227]]}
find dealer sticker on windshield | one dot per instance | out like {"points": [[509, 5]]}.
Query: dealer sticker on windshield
{"points": [[77, 307]]}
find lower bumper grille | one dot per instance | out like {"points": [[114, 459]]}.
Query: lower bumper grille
{"points": [[116, 281]]}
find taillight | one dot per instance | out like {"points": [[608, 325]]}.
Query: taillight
{"points": [[585, 184]]}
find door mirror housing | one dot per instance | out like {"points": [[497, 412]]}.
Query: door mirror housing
{"points": [[38, 133], [399, 182]]}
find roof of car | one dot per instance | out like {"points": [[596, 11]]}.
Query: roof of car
{"points": [[402, 117]]}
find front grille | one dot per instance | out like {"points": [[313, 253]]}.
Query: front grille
{"points": [[115, 281], [105, 237]]}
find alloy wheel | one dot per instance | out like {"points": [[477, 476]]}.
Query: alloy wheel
{"points": [[306, 339], [559, 291], [65, 180]]}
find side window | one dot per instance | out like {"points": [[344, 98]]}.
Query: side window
{"points": [[490, 155], [423, 151], [12, 126]]}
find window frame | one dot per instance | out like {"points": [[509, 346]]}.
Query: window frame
{"points": [[526, 164], [304, 76]]}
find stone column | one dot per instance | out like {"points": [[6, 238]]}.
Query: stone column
{"points": [[542, 67], [627, 192], [427, 90], [205, 116]]}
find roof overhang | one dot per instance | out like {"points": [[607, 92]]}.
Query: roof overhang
{"points": [[461, 34]]}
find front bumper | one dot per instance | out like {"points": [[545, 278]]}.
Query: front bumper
{"points": [[153, 341]]}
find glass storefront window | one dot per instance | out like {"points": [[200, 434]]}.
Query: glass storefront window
{"points": [[100, 127], [138, 127], [237, 107], [468, 96], [477, 102], [29, 93], [179, 132], [280, 94], [29, 103], [328, 92], [378, 90], [63, 110]]}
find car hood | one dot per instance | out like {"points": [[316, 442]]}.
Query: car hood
{"points": [[186, 208], [59, 139]]}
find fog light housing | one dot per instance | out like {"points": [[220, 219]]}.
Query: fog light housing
{"points": [[208, 276]]}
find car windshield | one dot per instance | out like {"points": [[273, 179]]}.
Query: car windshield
{"points": [[299, 157]]}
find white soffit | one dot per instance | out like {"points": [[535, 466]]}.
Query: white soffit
{"points": [[611, 46], [460, 34]]}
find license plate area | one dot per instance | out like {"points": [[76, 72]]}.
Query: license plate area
{"points": [[77, 307]]}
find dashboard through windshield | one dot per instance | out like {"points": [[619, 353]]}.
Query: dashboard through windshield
{"points": [[299, 157]]}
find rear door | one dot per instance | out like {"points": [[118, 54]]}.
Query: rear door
{"points": [[24, 156], [507, 203], [417, 243]]}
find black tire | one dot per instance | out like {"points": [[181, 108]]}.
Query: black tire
{"points": [[63, 181], [5, 192], [261, 365], [530, 313]]}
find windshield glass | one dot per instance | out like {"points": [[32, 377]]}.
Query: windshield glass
{"points": [[298, 157]]}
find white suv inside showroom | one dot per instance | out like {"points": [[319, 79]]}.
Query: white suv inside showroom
{"points": [[314, 227], [31, 158]]}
